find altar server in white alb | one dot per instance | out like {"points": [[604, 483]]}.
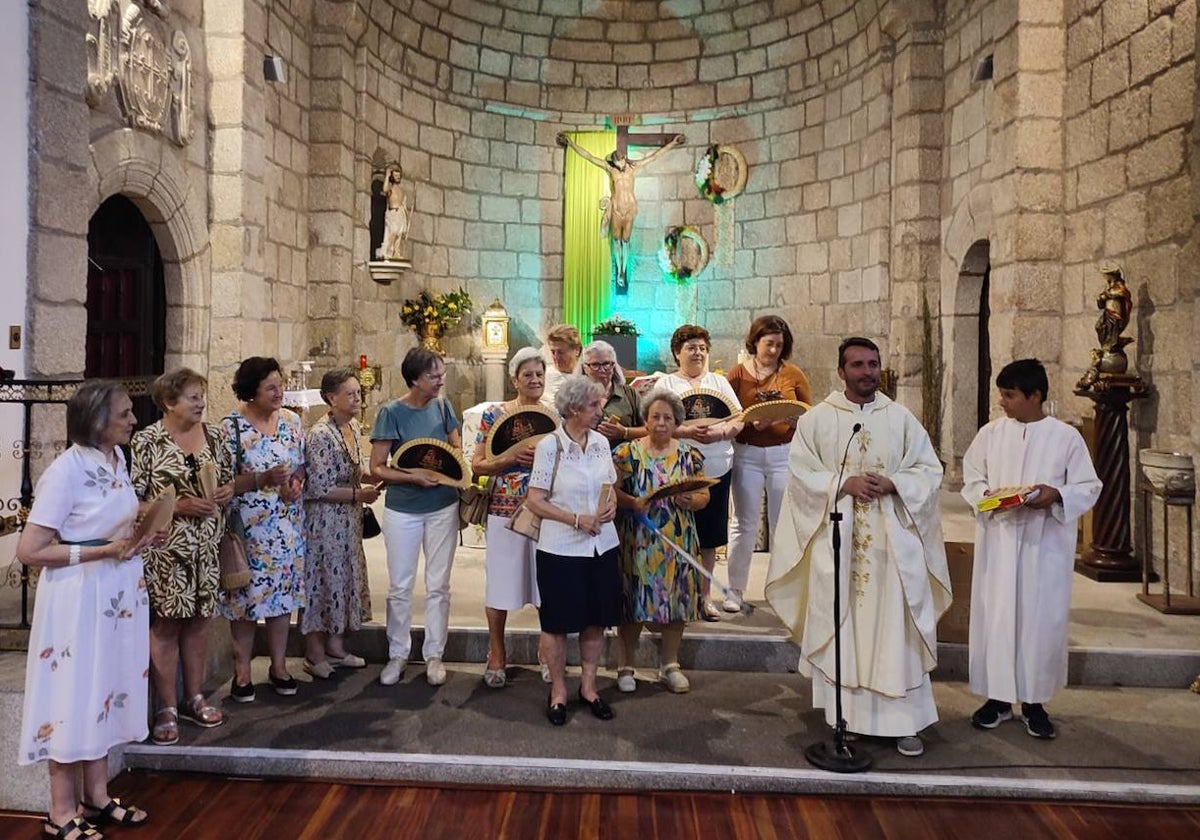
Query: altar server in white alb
{"points": [[1024, 555], [894, 580]]}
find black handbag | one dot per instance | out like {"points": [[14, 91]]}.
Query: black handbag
{"points": [[370, 524]]}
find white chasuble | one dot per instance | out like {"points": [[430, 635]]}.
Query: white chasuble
{"points": [[1024, 558], [894, 579]]}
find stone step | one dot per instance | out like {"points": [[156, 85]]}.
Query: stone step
{"points": [[712, 650]]}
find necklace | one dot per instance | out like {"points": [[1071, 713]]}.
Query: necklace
{"points": [[353, 456], [758, 374]]}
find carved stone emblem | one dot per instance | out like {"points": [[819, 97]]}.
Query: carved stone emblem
{"points": [[132, 48]]}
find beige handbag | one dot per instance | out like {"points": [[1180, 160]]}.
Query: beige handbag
{"points": [[524, 521]]}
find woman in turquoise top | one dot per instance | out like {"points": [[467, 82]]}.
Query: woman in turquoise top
{"points": [[418, 515]]}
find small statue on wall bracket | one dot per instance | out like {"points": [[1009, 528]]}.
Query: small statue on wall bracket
{"points": [[396, 217]]}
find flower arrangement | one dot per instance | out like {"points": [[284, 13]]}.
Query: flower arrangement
{"points": [[443, 310], [616, 325]]}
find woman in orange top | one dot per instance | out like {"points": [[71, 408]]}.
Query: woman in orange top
{"points": [[760, 452]]}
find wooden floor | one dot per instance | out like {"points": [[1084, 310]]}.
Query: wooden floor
{"points": [[211, 808]]}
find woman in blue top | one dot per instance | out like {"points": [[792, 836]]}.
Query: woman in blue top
{"points": [[418, 514]]}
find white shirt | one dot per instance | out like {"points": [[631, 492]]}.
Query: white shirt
{"points": [[718, 455], [577, 482]]}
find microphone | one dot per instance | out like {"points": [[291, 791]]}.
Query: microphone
{"points": [[845, 456]]}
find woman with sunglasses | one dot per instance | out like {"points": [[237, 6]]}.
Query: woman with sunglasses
{"points": [[621, 419], [182, 575]]}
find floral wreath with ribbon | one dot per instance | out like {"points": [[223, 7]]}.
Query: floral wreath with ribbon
{"points": [[671, 252], [710, 185]]}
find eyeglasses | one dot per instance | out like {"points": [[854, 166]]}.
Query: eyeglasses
{"points": [[193, 465], [692, 348], [600, 365]]}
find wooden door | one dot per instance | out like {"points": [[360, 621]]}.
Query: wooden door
{"points": [[126, 299]]}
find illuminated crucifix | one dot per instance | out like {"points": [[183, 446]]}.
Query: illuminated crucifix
{"points": [[622, 207]]}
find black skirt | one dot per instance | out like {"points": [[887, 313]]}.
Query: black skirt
{"points": [[712, 521], [578, 592]]}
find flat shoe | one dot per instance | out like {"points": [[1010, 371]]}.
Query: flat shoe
{"points": [[285, 687], [114, 813], [74, 829], [599, 708], [347, 661], [556, 713], [495, 677], [322, 670]]}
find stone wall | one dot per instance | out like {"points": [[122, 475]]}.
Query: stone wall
{"points": [[469, 97]]}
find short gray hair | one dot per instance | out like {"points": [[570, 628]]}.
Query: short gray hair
{"points": [[89, 411], [663, 394], [574, 392], [525, 354], [597, 347]]}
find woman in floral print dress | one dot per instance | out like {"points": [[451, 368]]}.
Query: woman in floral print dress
{"points": [[661, 589], [85, 682], [335, 567], [266, 443], [182, 577]]}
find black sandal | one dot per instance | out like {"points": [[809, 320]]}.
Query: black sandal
{"points": [[114, 813], [75, 829]]}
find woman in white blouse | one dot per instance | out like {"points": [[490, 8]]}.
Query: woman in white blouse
{"points": [[577, 573], [690, 345]]}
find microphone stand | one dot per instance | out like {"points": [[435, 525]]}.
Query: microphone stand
{"points": [[840, 756]]}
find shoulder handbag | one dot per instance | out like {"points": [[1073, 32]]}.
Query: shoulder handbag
{"points": [[231, 551], [524, 521]]}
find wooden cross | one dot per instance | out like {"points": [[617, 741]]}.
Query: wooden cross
{"points": [[622, 122]]}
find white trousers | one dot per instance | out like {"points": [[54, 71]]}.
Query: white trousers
{"points": [[405, 535], [754, 468]]}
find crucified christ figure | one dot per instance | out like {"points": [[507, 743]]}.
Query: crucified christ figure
{"points": [[621, 209]]}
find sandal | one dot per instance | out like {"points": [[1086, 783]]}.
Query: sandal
{"points": [[76, 829], [202, 713], [165, 733], [495, 677], [114, 813]]}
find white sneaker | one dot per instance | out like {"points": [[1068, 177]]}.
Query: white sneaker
{"points": [[435, 672], [910, 746], [674, 679], [625, 681], [733, 601], [392, 672]]}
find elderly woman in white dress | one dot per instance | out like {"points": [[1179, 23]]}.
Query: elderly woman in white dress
{"points": [[89, 647], [510, 562]]}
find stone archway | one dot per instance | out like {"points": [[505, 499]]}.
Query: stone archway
{"points": [[965, 271], [136, 165]]}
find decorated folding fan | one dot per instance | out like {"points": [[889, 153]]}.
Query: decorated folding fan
{"points": [[705, 407], [207, 476], [435, 459], [157, 516], [686, 485], [530, 422], [1005, 497], [775, 411]]}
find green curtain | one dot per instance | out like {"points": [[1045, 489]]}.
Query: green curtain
{"points": [[587, 256]]}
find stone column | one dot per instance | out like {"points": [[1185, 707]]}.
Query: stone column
{"points": [[917, 140], [241, 302]]}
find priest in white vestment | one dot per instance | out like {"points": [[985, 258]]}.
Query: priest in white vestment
{"points": [[894, 579], [1025, 555]]}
